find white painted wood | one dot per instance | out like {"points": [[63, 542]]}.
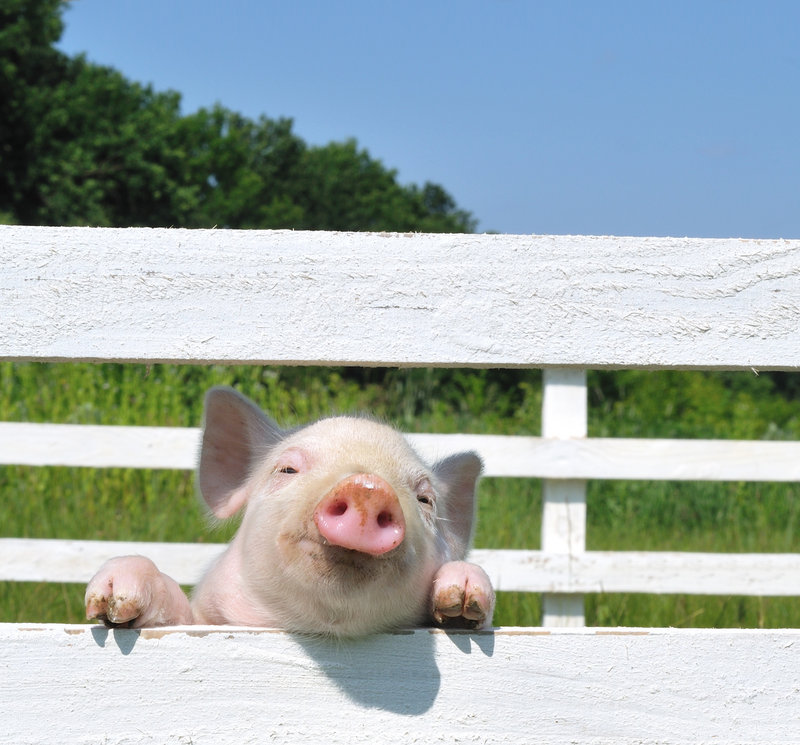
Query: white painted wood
{"points": [[56, 560], [63, 560], [390, 299], [218, 685], [98, 446], [653, 459], [653, 572], [564, 415], [564, 404], [23, 443]]}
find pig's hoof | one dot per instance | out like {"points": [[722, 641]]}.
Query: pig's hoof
{"points": [[120, 592], [462, 596]]}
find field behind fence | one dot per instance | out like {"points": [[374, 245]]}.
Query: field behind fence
{"points": [[662, 509]]}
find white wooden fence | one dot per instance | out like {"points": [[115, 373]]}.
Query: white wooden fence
{"points": [[564, 304]]}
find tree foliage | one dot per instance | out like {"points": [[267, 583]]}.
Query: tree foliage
{"points": [[29, 66], [82, 145]]}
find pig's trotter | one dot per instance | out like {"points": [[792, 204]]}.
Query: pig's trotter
{"points": [[462, 596], [129, 591]]}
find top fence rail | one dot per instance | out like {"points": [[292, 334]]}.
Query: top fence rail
{"points": [[285, 297]]}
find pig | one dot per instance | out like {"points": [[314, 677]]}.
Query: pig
{"points": [[345, 532]]}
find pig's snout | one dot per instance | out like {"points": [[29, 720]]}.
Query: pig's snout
{"points": [[362, 513]]}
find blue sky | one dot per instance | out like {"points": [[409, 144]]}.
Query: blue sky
{"points": [[604, 118]]}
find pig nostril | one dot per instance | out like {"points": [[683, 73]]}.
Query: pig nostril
{"points": [[337, 509], [385, 519]]}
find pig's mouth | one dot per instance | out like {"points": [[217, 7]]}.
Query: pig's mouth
{"points": [[345, 563]]}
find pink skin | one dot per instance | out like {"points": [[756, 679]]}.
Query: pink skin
{"points": [[462, 591], [361, 513], [130, 591], [346, 532]]}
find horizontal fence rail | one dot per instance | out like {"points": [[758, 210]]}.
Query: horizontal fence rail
{"points": [[152, 295], [109, 446], [219, 685], [513, 570]]}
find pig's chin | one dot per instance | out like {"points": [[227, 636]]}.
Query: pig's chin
{"points": [[334, 591]]}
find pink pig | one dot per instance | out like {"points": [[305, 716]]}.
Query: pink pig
{"points": [[345, 532]]}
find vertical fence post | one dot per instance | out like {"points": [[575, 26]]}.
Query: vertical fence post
{"points": [[564, 415]]}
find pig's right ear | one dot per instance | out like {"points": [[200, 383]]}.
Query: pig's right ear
{"points": [[236, 433], [460, 473]]}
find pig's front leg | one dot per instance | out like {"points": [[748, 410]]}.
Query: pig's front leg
{"points": [[130, 591], [462, 596]]}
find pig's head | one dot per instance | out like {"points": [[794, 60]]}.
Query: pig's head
{"points": [[344, 525]]}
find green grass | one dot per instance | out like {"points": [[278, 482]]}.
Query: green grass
{"points": [[153, 505]]}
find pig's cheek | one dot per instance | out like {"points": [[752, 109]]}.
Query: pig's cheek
{"points": [[267, 534], [424, 548], [288, 544], [433, 535], [298, 554], [429, 521]]}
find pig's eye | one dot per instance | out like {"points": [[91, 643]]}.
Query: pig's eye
{"points": [[425, 494], [288, 469]]}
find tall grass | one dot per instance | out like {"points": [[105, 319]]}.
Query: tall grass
{"points": [[122, 504]]}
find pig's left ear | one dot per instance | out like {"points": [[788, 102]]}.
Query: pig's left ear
{"points": [[459, 474], [236, 433]]}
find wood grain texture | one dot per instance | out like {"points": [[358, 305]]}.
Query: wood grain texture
{"points": [[83, 684], [389, 299]]}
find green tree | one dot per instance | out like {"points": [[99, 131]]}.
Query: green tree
{"points": [[343, 188], [243, 169], [29, 66], [109, 154], [80, 144]]}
